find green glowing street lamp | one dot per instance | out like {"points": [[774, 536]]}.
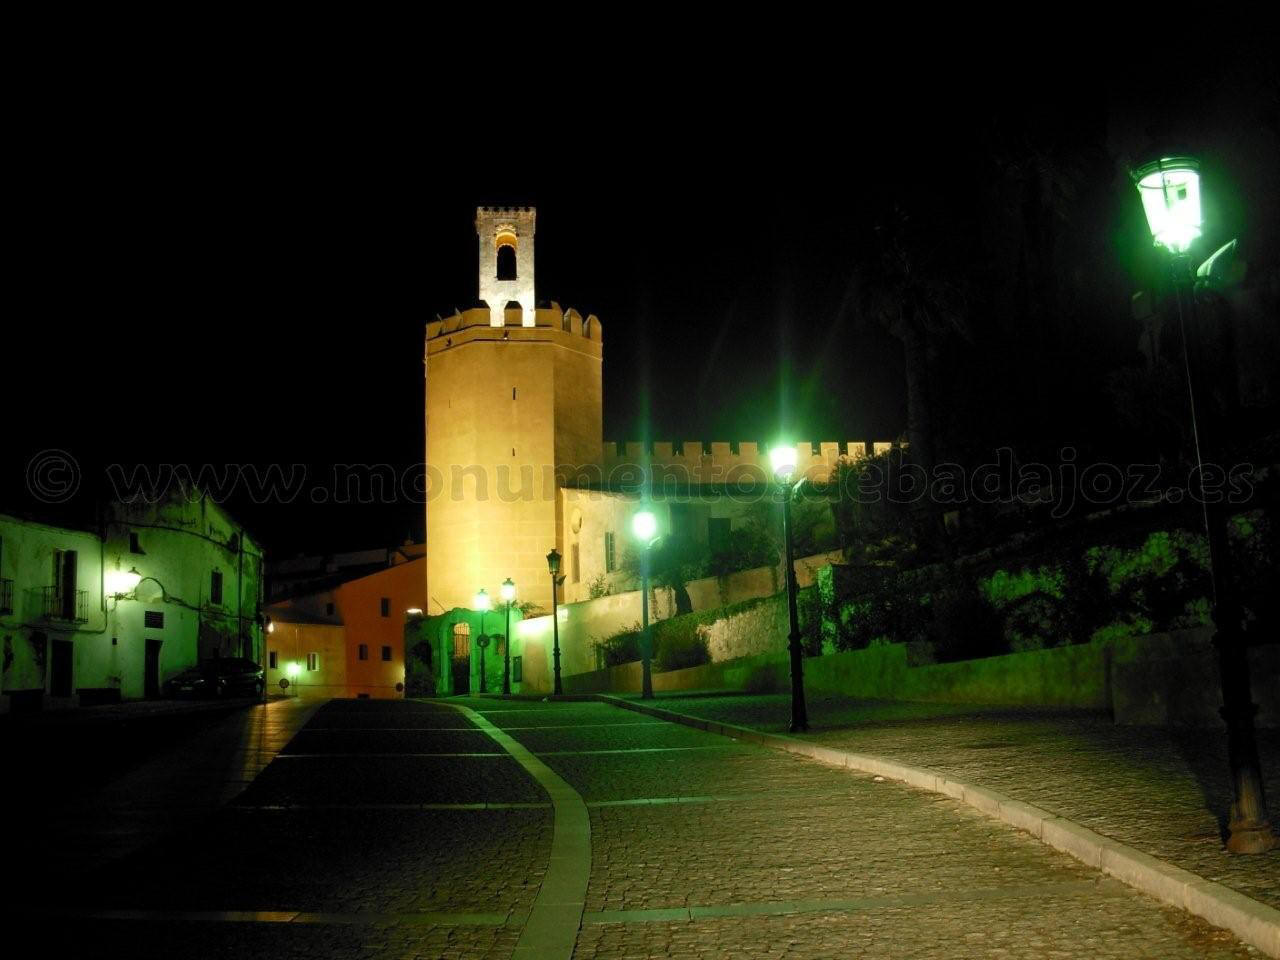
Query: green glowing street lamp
{"points": [[644, 527], [508, 598], [782, 459], [1170, 192], [481, 602], [553, 564]]}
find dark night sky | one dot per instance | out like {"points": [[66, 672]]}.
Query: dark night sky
{"points": [[250, 285]]}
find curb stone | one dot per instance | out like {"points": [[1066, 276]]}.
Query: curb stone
{"points": [[1255, 923]]}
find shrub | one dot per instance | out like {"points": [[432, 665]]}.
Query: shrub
{"points": [[623, 647], [679, 643]]}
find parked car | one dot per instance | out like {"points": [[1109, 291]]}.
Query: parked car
{"points": [[224, 677]]}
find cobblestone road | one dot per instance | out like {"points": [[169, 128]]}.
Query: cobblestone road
{"points": [[399, 830], [1164, 791]]}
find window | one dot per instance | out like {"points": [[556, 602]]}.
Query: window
{"points": [[718, 533], [517, 670], [364, 651], [577, 568], [386, 654], [682, 520], [153, 619], [506, 262], [386, 606], [134, 546], [215, 587], [328, 609], [610, 555], [313, 661], [271, 660], [65, 564], [461, 640]]}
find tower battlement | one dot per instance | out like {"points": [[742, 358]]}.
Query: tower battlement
{"points": [[477, 322], [725, 462]]}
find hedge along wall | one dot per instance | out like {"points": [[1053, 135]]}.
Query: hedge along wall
{"points": [[1162, 679], [1093, 586]]}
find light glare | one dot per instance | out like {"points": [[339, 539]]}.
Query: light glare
{"points": [[782, 458], [1170, 192]]}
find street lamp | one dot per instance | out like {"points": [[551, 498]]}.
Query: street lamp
{"points": [[553, 564], [481, 603], [782, 458], [1170, 192], [508, 597], [644, 526]]}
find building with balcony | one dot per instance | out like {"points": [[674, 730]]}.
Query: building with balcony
{"points": [[97, 616]]}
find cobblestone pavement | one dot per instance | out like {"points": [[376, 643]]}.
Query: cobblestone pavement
{"points": [[392, 830], [1162, 791], [357, 840], [766, 854]]}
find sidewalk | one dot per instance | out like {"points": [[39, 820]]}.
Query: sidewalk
{"points": [[1162, 791], [147, 780]]}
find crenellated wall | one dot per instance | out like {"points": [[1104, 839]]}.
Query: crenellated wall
{"points": [[547, 318], [719, 462]]}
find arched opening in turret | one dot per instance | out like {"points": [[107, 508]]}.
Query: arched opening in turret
{"points": [[506, 262]]}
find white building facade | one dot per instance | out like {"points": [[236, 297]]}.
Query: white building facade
{"points": [[97, 617]]}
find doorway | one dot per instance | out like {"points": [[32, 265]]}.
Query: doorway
{"points": [[461, 660], [60, 678], [151, 670]]}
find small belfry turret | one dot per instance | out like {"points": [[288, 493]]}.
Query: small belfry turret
{"points": [[506, 261]]}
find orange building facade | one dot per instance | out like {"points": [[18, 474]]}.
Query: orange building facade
{"points": [[370, 612]]}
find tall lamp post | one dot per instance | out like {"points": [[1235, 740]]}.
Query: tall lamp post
{"points": [[644, 526], [508, 598], [1170, 192], [553, 564], [782, 458], [481, 603]]}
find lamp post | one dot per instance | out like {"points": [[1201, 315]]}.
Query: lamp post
{"points": [[553, 564], [644, 526], [1170, 192], [782, 458], [481, 603], [508, 597]]}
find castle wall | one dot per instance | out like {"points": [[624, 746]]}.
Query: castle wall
{"points": [[718, 462]]}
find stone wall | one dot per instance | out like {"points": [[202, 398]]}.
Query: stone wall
{"points": [[583, 625], [1162, 679]]}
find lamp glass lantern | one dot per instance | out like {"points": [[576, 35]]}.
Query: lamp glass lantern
{"points": [[123, 582], [508, 590], [481, 601], [644, 525], [782, 459], [553, 561], [1170, 192]]}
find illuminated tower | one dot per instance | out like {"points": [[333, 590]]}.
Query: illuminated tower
{"points": [[513, 412]]}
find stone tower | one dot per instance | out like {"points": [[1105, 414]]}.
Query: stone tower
{"points": [[513, 414], [506, 260]]}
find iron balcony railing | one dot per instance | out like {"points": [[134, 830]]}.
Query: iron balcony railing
{"points": [[6, 595], [65, 605]]}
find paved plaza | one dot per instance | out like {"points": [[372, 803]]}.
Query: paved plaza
{"points": [[500, 828]]}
